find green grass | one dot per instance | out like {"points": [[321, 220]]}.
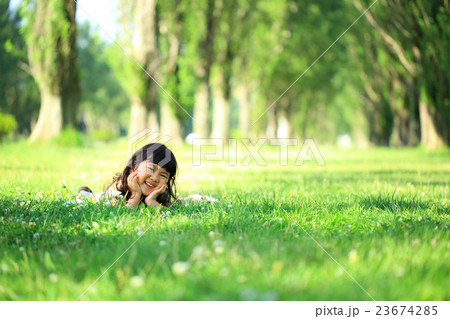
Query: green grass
{"points": [[382, 214]]}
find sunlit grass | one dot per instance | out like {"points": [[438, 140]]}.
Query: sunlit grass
{"points": [[382, 214]]}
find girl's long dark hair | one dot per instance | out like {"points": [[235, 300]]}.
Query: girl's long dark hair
{"points": [[156, 153]]}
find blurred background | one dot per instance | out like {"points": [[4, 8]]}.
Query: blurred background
{"points": [[86, 69]]}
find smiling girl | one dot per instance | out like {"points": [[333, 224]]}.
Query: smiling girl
{"points": [[148, 178]]}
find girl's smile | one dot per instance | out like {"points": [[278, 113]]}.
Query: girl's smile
{"points": [[150, 185], [151, 177]]}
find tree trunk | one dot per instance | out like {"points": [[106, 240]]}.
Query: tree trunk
{"points": [[206, 54], [271, 127], [201, 110], [53, 62], [145, 49], [70, 91], [244, 110], [152, 120], [430, 137], [138, 117], [49, 122], [221, 111], [284, 126], [169, 124], [400, 129]]}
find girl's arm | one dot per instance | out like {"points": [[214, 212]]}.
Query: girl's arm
{"points": [[133, 202], [135, 189], [150, 200]]}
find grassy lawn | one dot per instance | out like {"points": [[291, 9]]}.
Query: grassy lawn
{"points": [[382, 214]]}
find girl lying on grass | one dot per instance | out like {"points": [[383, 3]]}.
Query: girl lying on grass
{"points": [[149, 178]]}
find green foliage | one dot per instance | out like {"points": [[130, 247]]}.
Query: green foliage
{"points": [[382, 214], [126, 71], [433, 20], [264, 45], [103, 135], [19, 95], [178, 77], [103, 100], [45, 28], [404, 62], [70, 138], [8, 125]]}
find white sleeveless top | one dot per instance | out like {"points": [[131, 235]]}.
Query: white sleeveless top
{"points": [[112, 196]]}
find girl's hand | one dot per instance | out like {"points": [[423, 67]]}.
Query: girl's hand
{"points": [[150, 200], [133, 185]]}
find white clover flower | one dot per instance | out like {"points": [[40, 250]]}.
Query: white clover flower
{"points": [[4, 267], [241, 279], [353, 256], [229, 205], [400, 219], [137, 281], [198, 252], [180, 268], [162, 243], [36, 236], [140, 233], [53, 277], [223, 272], [399, 272], [217, 243], [138, 229], [21, 249]]}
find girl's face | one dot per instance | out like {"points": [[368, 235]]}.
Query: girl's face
{"points": [[151, 176]]}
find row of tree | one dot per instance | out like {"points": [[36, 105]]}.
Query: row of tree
{"points": [[238, 68]]}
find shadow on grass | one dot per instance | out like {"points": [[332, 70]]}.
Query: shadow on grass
{"points": [[395, 177], [63, 246]]}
